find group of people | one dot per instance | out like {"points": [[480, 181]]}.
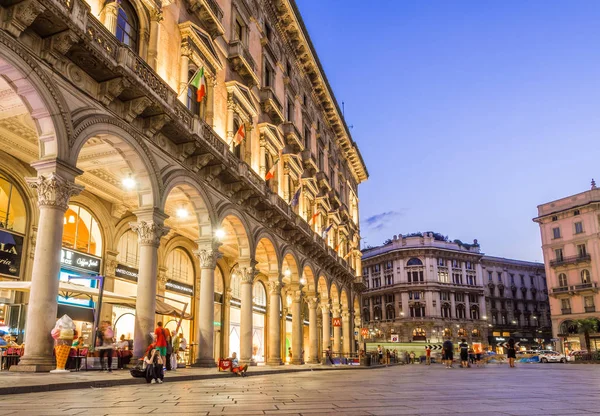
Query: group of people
{"points": [[162, 353]]}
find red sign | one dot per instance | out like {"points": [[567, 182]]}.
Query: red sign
{"points": [[337, 321], [364, 332]]}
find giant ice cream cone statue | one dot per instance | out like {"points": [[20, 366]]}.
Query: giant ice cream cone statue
{"points": [[63, 334]]}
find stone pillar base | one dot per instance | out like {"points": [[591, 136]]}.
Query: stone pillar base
{"points": [[274, 362], [205, 363], [34, 365], [313, 361], [297, 362], [251, 363]]}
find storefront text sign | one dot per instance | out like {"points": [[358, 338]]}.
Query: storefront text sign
{"points": [[179, 287], [80, 261], [11, 247], [337, 321], [126, 272]]}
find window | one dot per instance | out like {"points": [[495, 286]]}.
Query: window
{"points": [[490, 276], [417, 310], [522, 280], [445, 295], [446, 311], [576, 212], [558, 253], [389, 298], [289, 109], [443, 276], [304, 100], [556, 232], [179, 266], [499, 277], [238, 30], [554, 218], [259, 294], [13, 215], [419, 333], [192, 96], [585, 276], [442, 262], [81, 231], [389, 265], [469, 265], [128, 249], [416, 276], [447, 332], [588, 301], [581, 251], [127, 26], [414, 262], [376, 268], [390, 313], [269, 76], [532, 281], [512, 279], [565, 305], [389, 279], [462, 332], [578, 227], [471, 280], [459, 297], [332, 177], [321, 157], [288, 68], [306, 137], [365, 271], [455, 263]]}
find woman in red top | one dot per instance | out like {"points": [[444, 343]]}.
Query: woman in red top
{"points": [[161, 339]]}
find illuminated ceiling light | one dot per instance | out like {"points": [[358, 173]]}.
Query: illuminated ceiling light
{"points": [[287, 273], [220, 233], [128, 182], [182, 213], [303, 281], [71, 219]]}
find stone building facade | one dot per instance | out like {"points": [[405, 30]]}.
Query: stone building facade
{"points": [[569, 229], [422, 287], [129, 177]]}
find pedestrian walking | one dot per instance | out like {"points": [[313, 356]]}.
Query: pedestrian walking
{"points": [[464, 353], [380, 354], [412, 357], [478, 350], [448, 353], [428, 355], [511, 352], [169, 340], [105, 345]]}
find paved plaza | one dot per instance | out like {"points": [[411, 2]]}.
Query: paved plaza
{"points": [[535, 389]]}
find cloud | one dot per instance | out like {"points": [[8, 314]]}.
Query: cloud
{"points": [[379, 221]]}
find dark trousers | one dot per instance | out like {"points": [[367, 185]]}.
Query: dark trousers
{"points": [[168, 365], [108, 353], [154, 371]]}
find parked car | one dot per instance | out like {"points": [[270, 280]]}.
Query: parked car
{"points": [[547, 356], [573, 355]]}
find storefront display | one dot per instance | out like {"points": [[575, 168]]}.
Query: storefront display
{"points": [[180, 296]]}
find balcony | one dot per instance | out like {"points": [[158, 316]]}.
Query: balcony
{"points": [[590, 308], [360, 284], [292, 136], [271, 105], [210, 15], [561, 289], [591, 287], [323, 182], [242, 62], [566, 311], [585, 258], [309, 162]]}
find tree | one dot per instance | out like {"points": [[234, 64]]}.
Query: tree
{"points": [[585, 327]]}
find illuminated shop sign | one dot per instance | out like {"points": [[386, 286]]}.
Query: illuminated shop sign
{"points": [[179, 287], [75, 260], [126, 272]]}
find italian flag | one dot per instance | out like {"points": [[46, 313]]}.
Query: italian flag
{"points": [[239, 136], [200, 83], [313, 218], [271, 173], [339, 244]]}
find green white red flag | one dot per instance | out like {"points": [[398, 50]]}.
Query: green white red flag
{"points": [[271, 173], [240, 135], [199, 81]]}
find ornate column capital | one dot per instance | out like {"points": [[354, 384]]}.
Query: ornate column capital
{"points": [[345, 315], [149, 233], [312, 302], [156, 15], [247, 274], [274, 287], [208, 258], [53, 190], [228, 295], [325, 306]]}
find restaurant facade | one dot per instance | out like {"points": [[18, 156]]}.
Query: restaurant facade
{"points": [[112, 176]]}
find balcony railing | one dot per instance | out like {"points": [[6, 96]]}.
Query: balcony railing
{"points": [[585, 286], [561, 289], [570, 260], [292, 137], [242, 61], [566, 311], [271, 104], [590, 308]]}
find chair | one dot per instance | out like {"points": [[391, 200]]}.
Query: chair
{"points": [[79, 355]]}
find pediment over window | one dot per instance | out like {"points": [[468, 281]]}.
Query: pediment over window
{"points": [[198, 44], [272, 136], [239, 95]]}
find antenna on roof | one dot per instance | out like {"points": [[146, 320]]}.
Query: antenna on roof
{"points": [[343, 109]]}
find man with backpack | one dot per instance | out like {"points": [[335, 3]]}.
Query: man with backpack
{"points": [[161, 339], [448, 356]]}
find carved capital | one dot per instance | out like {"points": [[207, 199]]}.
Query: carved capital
{"points": [[247, 274], [312, 302], [156, 16], [21, 15], [274, 288], [208, 258], [345, 315], [53, 190], [109, 267], [149, 233]]}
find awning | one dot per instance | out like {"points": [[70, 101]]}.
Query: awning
{"points": [[71, 290]]}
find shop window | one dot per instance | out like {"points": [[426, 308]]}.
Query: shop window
{"points": [[81, 231], [390, 313], [462, 332], [259, 294], [13, 215], [419, 333], [179, 266], [447, 332], [129, 249], [476, 333], [235, 284]]}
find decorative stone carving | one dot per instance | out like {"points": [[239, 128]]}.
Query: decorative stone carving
{"points": [[109, 267], [312, 302], [53, 190], [21, 15], [111, 89], [345, 315], [208, 258], [274, 287], [135, 107], [247, 274], [149, 233]]}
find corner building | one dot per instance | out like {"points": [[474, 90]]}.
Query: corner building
{"points": [[109, 166], [569, 229]]}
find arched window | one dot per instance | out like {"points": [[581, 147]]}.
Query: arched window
{"points": [[366, 315], [562, 280], [447, 332], [462, 332], [390, 313], [259, 294], [568, 328], [81, 231], [377, 313], [460, 312], [414, 262], [446, 311], [474, 312], [417, 310], [476, 333], [127, 25], [235, 284], [129, 249], [179, 266], [585, 276], [13, 216]]}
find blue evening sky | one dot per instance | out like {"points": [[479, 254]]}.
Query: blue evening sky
{"points": [[468, 114]]}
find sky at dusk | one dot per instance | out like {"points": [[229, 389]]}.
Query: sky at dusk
{"points": [[468, 114]]}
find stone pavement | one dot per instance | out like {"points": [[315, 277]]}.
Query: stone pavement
{"points": [[528, 390]]}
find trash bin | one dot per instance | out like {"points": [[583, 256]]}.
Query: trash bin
{"points": [[365, 360]]}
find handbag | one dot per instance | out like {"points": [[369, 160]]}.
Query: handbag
{"points": [[138, 371]]}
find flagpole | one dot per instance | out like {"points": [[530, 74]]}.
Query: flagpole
{"points": [[189, 80]]}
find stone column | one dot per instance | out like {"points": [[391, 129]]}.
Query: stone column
{"points": [[336, 331], [326, 325], [226, 324], [205, 314], [150, 229], [346, 330], [297, 333], [184, 67], [274, 323], [111, 11], [313, 334], [262, 168], [230, 124], [54, 190], [247, 272], [156, 17]]}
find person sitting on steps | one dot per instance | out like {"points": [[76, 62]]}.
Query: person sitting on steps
{"points": [[235, 366]]}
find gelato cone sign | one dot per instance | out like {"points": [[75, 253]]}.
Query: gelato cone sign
{"points": [[63, 334]]}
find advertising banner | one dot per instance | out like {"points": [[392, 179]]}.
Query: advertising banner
{"points": [[11, 248]]}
